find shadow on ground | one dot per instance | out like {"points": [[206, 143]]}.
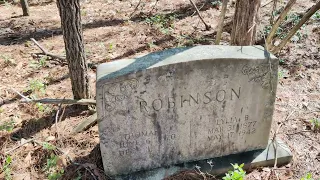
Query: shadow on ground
{"points": [[21, 37], [32, 126]]}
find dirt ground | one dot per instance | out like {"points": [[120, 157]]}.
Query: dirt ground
{"points": [[110, 34]]}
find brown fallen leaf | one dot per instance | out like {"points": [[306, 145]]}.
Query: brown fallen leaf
{"points": [[28, 159]]}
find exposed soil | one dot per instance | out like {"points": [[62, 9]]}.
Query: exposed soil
{"points": [[109, 34]]}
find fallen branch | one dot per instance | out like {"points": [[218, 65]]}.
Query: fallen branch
{"points": [[208, 27], [45, 52], [20, 145], [221, 19], [86, 124], [61, 101]]}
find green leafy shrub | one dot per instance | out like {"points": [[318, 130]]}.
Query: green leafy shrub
{"points": [[316, 124], [237, 174], [308, 176], [163, 22], [6, 168], [7, 126], [52, 169]]}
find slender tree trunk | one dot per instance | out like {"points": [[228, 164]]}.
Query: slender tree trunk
{"points": [[245, 22], [73, 38], [221, 19], [25, 7]]}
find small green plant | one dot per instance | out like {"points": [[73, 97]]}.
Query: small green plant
{"points": [[52, 169], [37, 86], [280, 74], [48, 146], [308, 176], [316, 124], [279, 32], [216, 3], [39, 64], [316, 16], [8, 61], [7, 126], [163, 22], [43, 61], [1, 110], [6, 168], [151, 45], [41, 107], [237, 174], [110, 47]]}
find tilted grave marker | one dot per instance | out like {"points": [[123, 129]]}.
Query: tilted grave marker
{"points": [[183, 105]]}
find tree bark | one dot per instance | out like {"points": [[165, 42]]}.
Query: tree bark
{"points": [[73, 38], [245, 22], [25, 7]]}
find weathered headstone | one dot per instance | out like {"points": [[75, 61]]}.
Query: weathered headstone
{"points": [[183, 105]]}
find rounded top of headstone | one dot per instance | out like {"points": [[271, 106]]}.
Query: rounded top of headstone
{"points": [[180, 55]]}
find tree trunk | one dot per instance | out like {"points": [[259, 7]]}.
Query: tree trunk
{"points": [[245, 22], [25, 7], [73, 38]]}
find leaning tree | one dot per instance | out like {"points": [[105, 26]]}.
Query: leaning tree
{"points": [[73, 38]]}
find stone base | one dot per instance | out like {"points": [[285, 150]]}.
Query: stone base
{"points": [[221, 165]]}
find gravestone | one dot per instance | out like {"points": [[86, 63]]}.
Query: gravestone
{"points": [[183, 105]]}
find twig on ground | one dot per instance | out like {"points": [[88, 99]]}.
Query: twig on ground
{"points": [[45, 52], [24, 97], [62, 101], [86, 124], [275, 144], [135, 9], [20, 145], [57, 118], [206, 25]]}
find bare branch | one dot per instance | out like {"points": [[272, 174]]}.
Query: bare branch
{"points": [[207, 26], [45, 52], [277, 23], [221, 19], [304, 19], [62, 101], [20, 145], [25, 97]]}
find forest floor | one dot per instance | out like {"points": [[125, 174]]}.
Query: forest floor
{"points": [[110, 34]]}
